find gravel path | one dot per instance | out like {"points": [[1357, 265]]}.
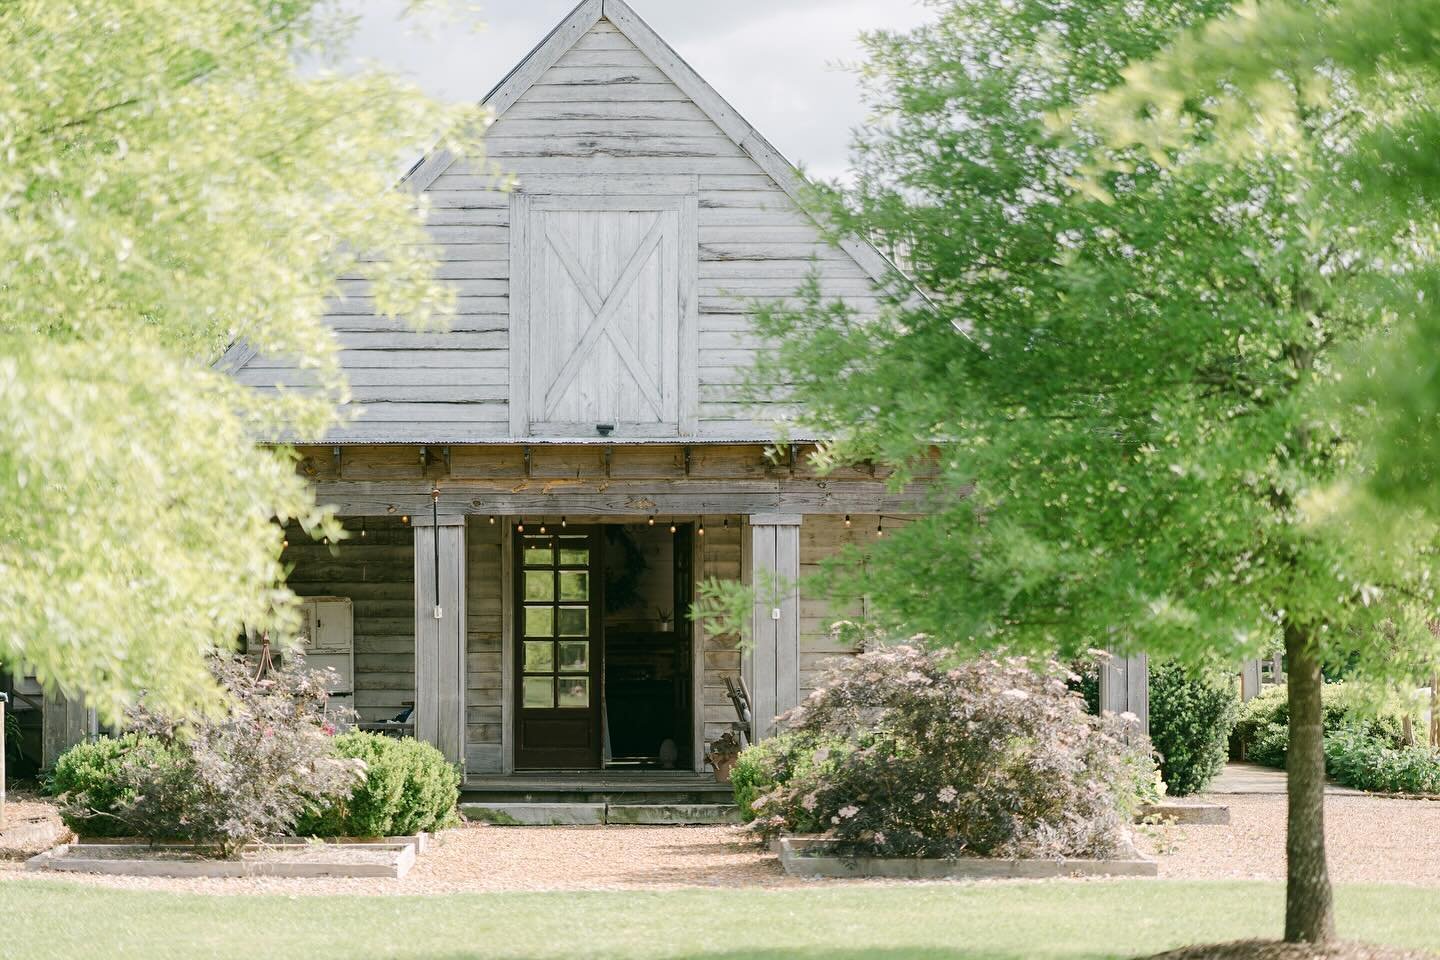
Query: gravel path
{"points": [[1371, 841]]}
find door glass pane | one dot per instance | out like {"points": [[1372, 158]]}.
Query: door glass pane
{"points": [[539, 693], [539, 656], [539, 621], [574, 585], [539, 585], [574, 552], [574, 692], [574, 656], [574, 622], [538, 552]]}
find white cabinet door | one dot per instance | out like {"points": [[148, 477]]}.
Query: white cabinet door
{"points": [[604, 321]]}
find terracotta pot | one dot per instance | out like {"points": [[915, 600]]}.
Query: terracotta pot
{"points": [[723, 765]]}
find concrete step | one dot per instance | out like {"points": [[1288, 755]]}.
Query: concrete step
{"points": [[674, 813], [534, 814], [583, 814]]}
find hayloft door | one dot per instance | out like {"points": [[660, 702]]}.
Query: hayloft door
{"points": [[558, 649]]}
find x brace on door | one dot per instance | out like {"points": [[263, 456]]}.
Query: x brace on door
{"points": [[604, 310]]}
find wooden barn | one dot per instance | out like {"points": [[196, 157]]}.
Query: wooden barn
{"points": [[580, 424]]}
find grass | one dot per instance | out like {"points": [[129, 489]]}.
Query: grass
{"points": [[1004, 921]]}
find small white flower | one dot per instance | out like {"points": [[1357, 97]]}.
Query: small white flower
{"points": [[809, 801], [849, 811], [947, 794], [1016, 695]]}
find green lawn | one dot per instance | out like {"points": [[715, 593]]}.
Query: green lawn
{"points": [[1035, 920]]}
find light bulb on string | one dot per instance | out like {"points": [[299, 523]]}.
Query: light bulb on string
{"points": [[847, 519], [700, 530], [651, 520], [673, 528], [563, 524], [520, 527], [492, 519], [880, 527]]}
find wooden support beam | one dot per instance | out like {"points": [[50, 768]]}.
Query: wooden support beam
{"points": [[774, 667], [440, 634], [602, 498], [1249, 680], [1125, 687]]}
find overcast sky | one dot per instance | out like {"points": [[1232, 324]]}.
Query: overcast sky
{"points": [[779, 62]]}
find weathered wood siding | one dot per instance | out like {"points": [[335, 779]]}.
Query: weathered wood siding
{"points": [[822, 539], [377, 573], [721, 559], [484, 608], [604, 121]]}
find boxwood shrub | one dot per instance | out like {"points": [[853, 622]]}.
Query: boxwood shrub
{"points": [[1191, 716], [1262, 731], [1365, 763], [91, 784], [409, 787]]}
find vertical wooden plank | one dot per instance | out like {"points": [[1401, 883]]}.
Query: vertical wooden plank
{"points": [[440, 641], [427, 640], [763, 630], [3, 698], [451, 698], [1249, 680], [507, 649], [688, 350], [520, 306], [787, 628], [697, 661], [1125, 687], [747, 651]]}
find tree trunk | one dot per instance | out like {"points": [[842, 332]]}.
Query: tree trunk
{"points": [[1309, 904]]}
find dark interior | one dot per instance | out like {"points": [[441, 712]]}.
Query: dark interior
{"points": [[647, 645]]}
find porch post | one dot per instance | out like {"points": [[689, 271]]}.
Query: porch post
{"points": [[1249, 679], [440, 635], [775, 621], [1125, 686]]}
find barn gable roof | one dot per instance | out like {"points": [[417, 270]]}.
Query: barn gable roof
{"points": [[620, 15], [605, 112]]}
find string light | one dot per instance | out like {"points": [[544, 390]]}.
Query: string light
{"points": [[880, 526], [672, 527], [651, 521], [284, 544], [362, 527], [847, 519], [700, 530], [405, 518], [520, 527], [542, 526], [563, 524], [492, 519]]}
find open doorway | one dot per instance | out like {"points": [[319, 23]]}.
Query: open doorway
{"points": [[603, 672], [648, 588]]}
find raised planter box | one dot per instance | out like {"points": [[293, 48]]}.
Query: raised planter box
{"points": [[1185, 811], [289, 857], [810, 857]]}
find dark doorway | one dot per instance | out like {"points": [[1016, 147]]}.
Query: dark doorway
{"points": [[648, 688]]}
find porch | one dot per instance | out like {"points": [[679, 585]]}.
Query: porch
{"points": [[658, 520]]}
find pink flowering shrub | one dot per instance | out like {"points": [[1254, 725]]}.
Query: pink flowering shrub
{"points": [[247, 772], [913, 755]]}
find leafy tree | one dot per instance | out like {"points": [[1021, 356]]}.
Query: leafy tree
{"points": [[1127, 361], [171, 184]]}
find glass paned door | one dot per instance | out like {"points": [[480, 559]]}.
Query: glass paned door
{"points": [[558, 649]]}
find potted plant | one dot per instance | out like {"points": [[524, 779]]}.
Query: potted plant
{"points": [[722, 755]]}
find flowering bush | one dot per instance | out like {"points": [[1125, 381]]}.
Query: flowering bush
{"points": [[244, 773], [901, 753]]}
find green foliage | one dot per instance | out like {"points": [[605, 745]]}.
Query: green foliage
{"points": [[226, 779], [1369, 763], [904, 753], [1262, 734], [1191, 716], [90, 783], [1127, 365], [409, 787], [176, 188], [772, 763]]}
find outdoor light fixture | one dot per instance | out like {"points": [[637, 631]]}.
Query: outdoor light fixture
{"points": [[492, 519], [700, 530], [520, 527], [562, 523], [651, 521], [672, 527], [880, 526], [847, 519]]}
